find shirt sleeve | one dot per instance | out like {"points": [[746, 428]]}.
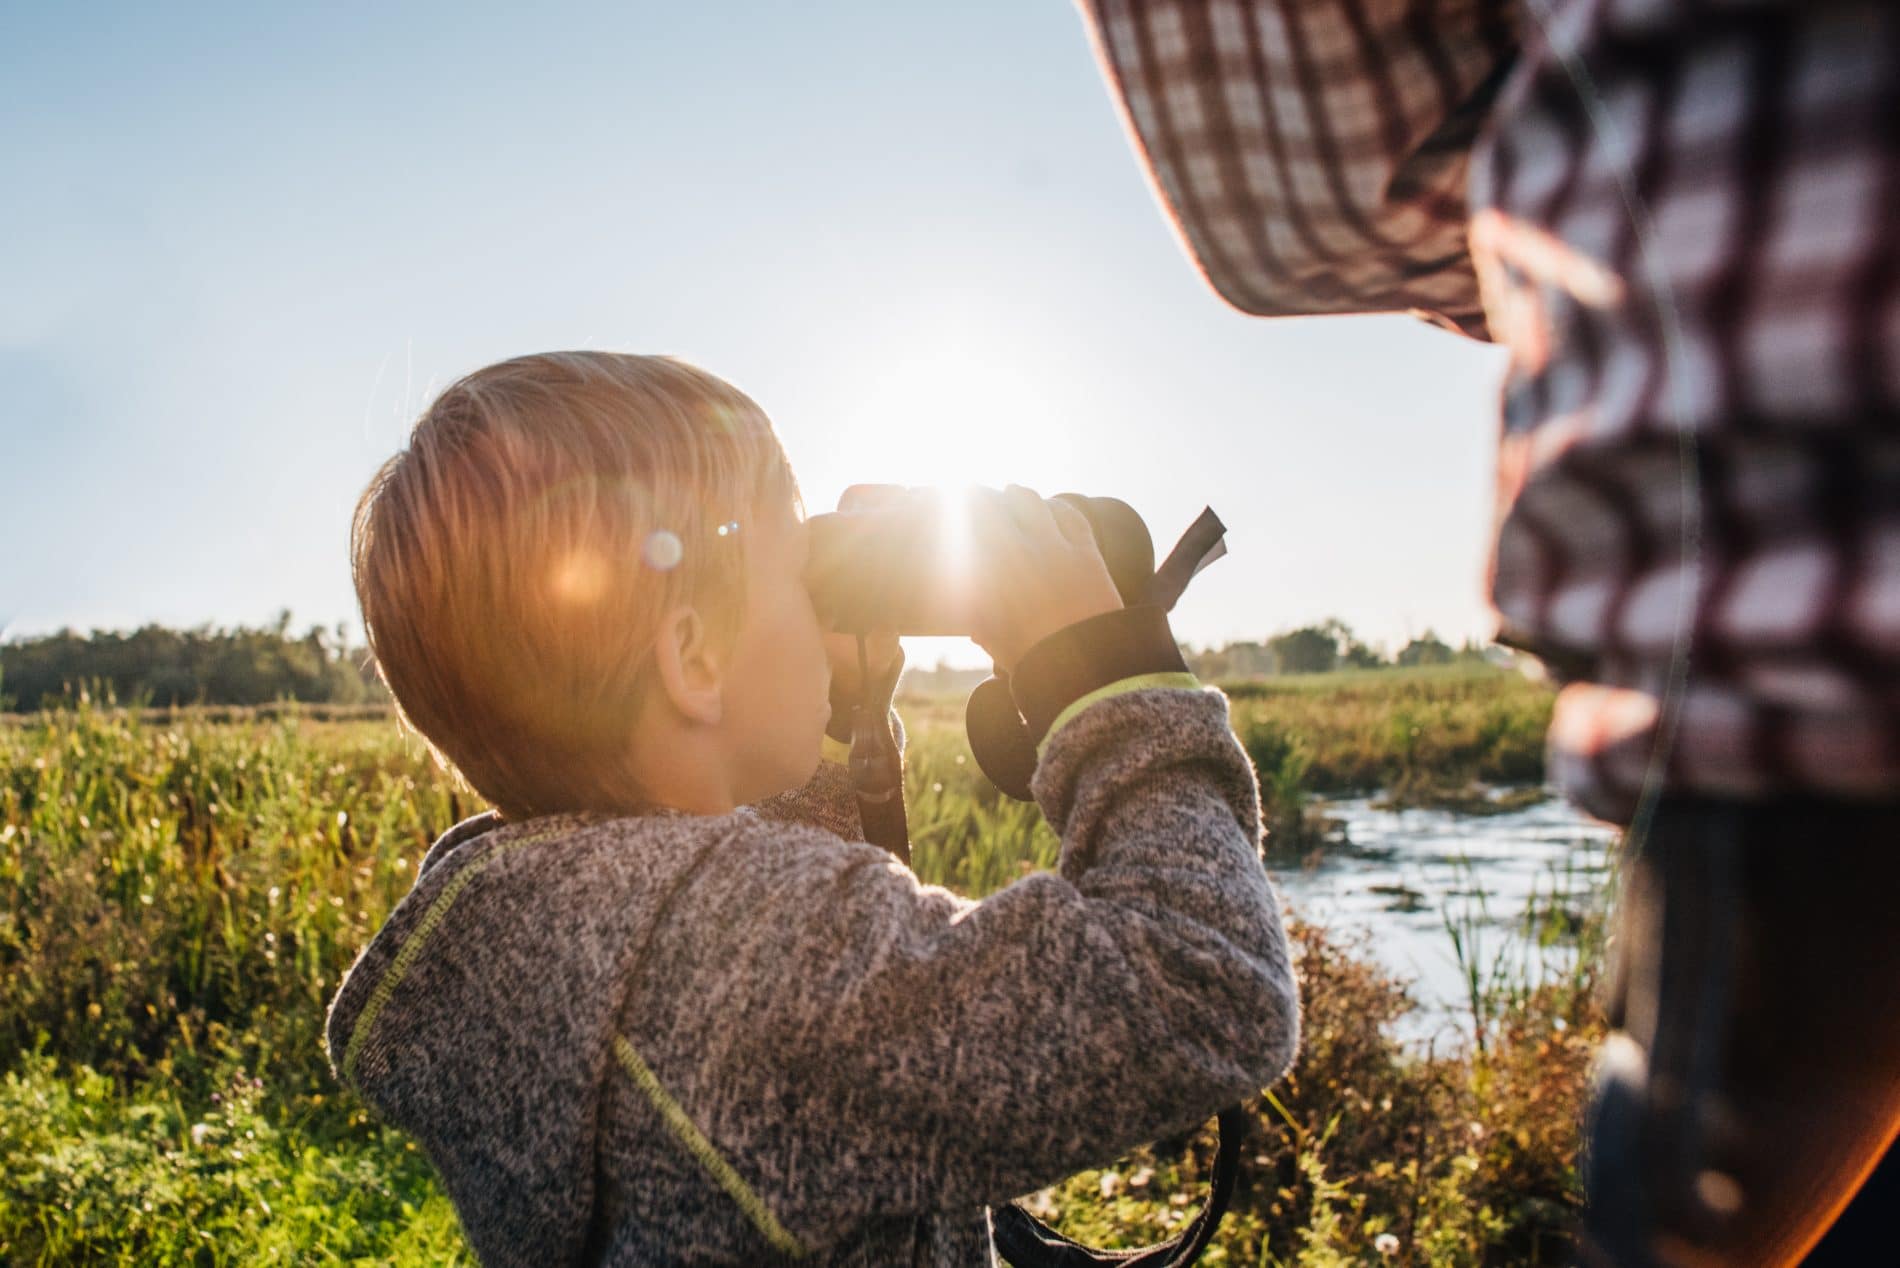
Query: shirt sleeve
{"points": [[1313, 156]]}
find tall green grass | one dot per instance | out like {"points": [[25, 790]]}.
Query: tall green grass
{"points": [[1412, 731], [179, 899], [179, 895], [1439, 736]]}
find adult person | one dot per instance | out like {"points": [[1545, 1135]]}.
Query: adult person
{"points": [[1679, 218]]}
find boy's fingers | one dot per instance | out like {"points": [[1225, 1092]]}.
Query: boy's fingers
{"points": [[1004, 531], [1028, 512], [1073, 524], [996, 541], [863, 497]]}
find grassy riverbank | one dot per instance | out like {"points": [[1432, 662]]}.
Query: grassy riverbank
{"points": [[179, 897], [1446, 736]]}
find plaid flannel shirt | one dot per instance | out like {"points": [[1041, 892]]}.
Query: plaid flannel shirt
{"points": [[1681, 219]]}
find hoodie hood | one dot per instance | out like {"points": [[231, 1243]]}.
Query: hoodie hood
{"points": [[481, 1018]]}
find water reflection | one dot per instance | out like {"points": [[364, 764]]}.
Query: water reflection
{"points": [[1402, 874]]}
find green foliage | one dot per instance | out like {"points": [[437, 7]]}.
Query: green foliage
{"points": [[1283, 760], [1312, 649], [1427, 649], [171, 667], [964, 834], [1424, 735], [1232, 660], [92, 1175], [1323, 648], [1370, 1153], [180, 894], [179, 899]]}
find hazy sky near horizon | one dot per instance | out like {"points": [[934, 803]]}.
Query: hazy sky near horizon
{"points": [[244, 246]]}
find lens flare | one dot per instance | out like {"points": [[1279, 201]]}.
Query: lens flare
{"points": [[580, 578], [956, 535], [663, 550]]}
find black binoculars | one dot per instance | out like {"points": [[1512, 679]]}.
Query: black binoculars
{"points": [[910, 566]]}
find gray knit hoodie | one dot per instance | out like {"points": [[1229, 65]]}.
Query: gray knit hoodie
{"points": [[748, 1039]]}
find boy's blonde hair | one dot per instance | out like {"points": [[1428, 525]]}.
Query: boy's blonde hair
{"points": [[513, 562]]}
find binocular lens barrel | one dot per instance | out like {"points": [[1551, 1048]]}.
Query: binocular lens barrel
{"points": [[914, 567]]}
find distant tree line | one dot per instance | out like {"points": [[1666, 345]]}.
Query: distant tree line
{"points": [[1330, 645], [1311, 649], [163, 667]]}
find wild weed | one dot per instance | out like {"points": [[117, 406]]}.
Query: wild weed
{"points": [[179, 898]]}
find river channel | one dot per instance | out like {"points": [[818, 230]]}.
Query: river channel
{"points": [[1401, 876]]}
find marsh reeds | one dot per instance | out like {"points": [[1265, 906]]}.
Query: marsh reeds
{"points": [[179, 897]]}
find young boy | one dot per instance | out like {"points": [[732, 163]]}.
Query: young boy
{"points": [[664, 1005]]}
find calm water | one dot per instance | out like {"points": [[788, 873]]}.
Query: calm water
{"points": [[1403, 873]]}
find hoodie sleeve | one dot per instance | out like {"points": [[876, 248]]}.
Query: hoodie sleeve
{"points": [[912, 1051]]}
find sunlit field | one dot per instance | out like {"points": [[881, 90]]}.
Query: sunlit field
{"points": [[180, 894]]}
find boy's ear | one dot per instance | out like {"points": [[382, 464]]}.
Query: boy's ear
{"points": [[689, 667]]}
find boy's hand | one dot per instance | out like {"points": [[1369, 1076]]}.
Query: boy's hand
{"points": [[881, 649], [1041, 571]]}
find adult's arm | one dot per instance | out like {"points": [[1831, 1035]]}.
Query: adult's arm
{"points": [[1313, 155]]}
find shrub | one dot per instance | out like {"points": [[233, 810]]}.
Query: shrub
{"points": [[1459, 1157]]}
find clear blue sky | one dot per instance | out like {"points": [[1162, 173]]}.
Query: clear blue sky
{"points": [[244, 246]]}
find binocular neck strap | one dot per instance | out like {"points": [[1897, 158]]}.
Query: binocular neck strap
{"points": [[1203, 543], [877, 770], [1026, 1242]]}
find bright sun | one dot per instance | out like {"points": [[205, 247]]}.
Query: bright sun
{"points": [[945, 414]]}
